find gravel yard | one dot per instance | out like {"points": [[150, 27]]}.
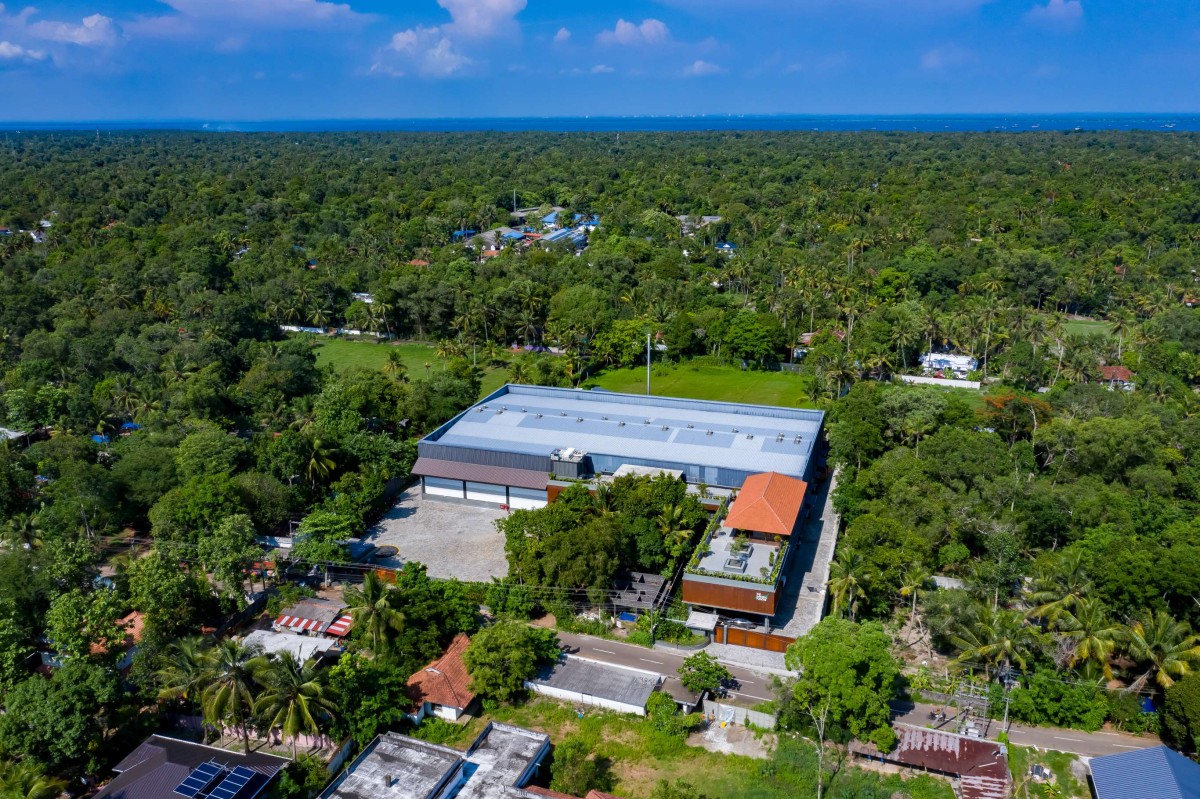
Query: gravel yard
{"points": [[452, 540]]}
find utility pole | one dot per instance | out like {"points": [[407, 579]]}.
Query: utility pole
{"points": [[647, 364]]}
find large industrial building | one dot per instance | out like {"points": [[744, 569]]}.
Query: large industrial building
{"points": [[505, 449]]}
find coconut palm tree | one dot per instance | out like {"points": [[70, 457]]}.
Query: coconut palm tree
{"points": [[25, 780], [998, 637], [23, 531], [296, 697], [1092, 633], [1166, 647], [1060, 587], [186, 671], [913, 582], [229, 694], [843, 582], [675, 532], [394, 365], [372, 610], [320, 460]]}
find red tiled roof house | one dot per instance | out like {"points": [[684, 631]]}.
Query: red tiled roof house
{"points": [[741, 566], [442, 688]]}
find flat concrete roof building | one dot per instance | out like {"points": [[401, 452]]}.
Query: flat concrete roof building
{"points": [[503, 449], [499, 764]]}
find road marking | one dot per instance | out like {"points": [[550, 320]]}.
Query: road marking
{"points": [[1126, 746], [1076, 740], [1113, 734], [605, 651], [752, 696], [655, 662]]}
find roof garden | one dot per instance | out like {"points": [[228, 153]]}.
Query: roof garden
{"points": [[726, 555]]}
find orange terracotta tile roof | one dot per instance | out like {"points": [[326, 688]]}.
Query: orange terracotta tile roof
{"points": [[418, 262], [768, 503], [1121, 373], [444, 681], [133, 625]]}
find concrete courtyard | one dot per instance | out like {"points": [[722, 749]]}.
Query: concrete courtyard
{"points": [[451, 539]]}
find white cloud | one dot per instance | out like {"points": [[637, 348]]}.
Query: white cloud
{"points": [[433, 52], [1064, 14], [942, 57], [426, 51], [481, 17], [96, 30], [563, 36], [602, 69], [700, 68], [15, 52], [277, 13], [650, 31]]}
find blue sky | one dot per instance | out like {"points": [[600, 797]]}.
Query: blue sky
{"points": [[313, 59]]}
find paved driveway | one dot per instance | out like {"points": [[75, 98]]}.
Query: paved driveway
{"points": [[452, 540]]}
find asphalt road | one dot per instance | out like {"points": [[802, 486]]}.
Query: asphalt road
{"points": [[1090, 744], [752, 687]]}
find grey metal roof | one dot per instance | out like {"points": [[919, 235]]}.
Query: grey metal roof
{"points": [[475, 473], [1154, 773], [536, 420], [160, 763], [600, 680]]}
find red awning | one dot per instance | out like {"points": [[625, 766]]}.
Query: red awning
{"points": [[299, 624], [340, 627]]}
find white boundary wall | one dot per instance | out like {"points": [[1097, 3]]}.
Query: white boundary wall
{"points": [[939, 381], [584, 699]]}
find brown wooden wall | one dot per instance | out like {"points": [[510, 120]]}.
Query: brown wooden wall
{"points": [[752, 638], [726, 596]]}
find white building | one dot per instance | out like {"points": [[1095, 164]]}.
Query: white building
{"points": [[945, 364]]}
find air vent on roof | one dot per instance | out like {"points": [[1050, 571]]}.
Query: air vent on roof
{"points": [[690, 426], [504, 407], [749, 435], [708, 432], [579, 419], [620, 424], [605, 418], [797, 441], [500, 411], [779, 438], [736, 430], [539, 416], [647, 421], [522, 410], [479, 410], [562, 413], [665, 427]]}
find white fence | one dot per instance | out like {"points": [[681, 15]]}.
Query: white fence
{"points": [[732, 714], [939, 381]]}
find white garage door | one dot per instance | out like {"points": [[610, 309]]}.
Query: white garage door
{"points": [[486, 492], [441, 487]]}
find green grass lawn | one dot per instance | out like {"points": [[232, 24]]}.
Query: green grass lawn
{"points": [[709, 382], [637, 758], [1021, 758], [342, 353], [1088, 327]]}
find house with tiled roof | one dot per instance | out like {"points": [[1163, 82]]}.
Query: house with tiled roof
{"points": [[443, 688], [1116, 377], [740, 565]]}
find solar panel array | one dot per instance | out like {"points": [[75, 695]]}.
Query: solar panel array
{"points": [[198, 781], [198, 784], [231, 785]]}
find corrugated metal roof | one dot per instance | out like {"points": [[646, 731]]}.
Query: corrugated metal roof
{"points": [[537, 421], [980, 765], [1154, 773], [493, 475]]}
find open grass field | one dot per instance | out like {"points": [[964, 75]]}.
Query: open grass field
{"points": [[1088, 327], [1068, 784], [636, 758], [710, 382], [342, 353]]}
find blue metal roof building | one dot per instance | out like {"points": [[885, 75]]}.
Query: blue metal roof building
{"points": [[1154, 773], [517, 435]]}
